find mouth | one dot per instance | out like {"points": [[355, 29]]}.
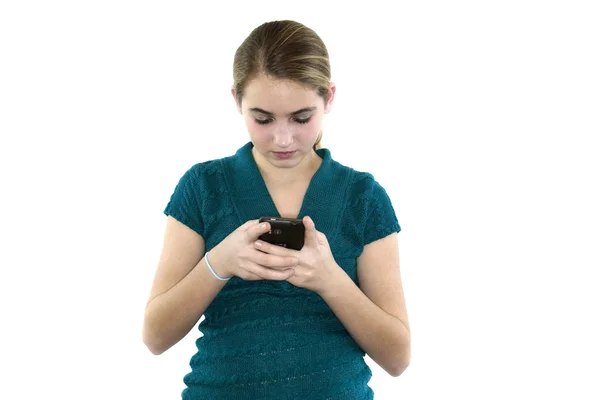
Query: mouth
{"points": [[284, 154]]}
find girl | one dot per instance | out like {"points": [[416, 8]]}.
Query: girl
{"points": [[280, 323]]}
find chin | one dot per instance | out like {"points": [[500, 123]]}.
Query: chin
{"points": [[287, 162]]}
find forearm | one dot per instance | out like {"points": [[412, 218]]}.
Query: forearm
{"points": [[171, 315], [382, 336]]}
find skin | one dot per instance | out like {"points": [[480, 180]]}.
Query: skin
{"points": [[284, 130]]}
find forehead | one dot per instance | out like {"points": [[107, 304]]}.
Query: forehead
{"points": [[279, 96]]}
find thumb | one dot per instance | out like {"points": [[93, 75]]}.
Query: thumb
{"points": [[310, 230], [247, 224]]}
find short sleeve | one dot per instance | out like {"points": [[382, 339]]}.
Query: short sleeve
{"points": [[184, 204], [381, 218]]}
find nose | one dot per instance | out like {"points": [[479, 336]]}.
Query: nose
{"points": [[283, 137]]}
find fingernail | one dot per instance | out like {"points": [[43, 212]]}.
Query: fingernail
{"points": [[258, 244]]}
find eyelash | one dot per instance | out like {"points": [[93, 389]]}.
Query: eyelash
{"points": [[266, 121]]}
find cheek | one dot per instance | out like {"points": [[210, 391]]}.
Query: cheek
{"points": [[254, 128], [311, 128], [260, 135]]}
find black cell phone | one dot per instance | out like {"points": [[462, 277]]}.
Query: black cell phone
{"points": [[285, 232]]}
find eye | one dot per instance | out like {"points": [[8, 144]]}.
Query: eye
{"points": [[266, 121]]}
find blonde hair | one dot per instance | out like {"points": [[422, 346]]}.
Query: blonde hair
{"points": [[284, 50]]}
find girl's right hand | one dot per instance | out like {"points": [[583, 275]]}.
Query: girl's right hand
{"points": [[237, 256]]}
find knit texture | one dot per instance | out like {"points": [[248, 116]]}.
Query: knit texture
{"points": [[269, 339]]}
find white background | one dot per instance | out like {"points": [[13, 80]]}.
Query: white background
{"points": [[481, 119]]}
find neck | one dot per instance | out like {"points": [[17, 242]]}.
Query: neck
{"points": [[271, 174]]}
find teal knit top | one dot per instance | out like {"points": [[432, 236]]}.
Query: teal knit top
{"points": [[270, 339]]}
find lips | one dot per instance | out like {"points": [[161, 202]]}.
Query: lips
{"points": [[284, 154]]}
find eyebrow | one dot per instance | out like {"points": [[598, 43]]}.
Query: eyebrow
{"points": [[260, 110]]}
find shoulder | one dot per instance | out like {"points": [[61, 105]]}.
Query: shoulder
{"points": [[363, 183], [197, 181], [366, 194], [205, 167], [356, 179], [203, 172], [363, 187]]}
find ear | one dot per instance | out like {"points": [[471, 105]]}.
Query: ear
{"points": [[331, 96], [238, 106]]}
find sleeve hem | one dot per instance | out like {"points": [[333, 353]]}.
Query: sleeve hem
{"points": [[395, 228], [184, 220]]}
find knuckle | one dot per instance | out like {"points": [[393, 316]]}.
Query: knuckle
{"points": [[275, 262], [264, 259], [281, 276], [252, 277], [288, 262], [278, 262]]}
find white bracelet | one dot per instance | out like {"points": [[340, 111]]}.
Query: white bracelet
{"points": [[212, 270]]}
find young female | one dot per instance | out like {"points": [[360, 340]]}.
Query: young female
{"points": [[280, 323]]}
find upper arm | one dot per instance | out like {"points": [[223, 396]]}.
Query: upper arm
{"points": [[378, 269], [182, 249], [183, 244]]}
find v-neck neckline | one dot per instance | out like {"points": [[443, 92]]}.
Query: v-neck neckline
{"points": [[250, 197], [308, 195]]}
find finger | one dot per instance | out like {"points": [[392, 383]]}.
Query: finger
{"points": [[310, 231], [322, 238], [246, 225], [253, 232], [249, 276], [274, 249], [269, 273], [274, 261]]}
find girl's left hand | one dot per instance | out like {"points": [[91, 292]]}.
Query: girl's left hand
{"points": [[316, 269]]}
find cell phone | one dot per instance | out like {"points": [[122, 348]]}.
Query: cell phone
{"points": [[285, 232]]}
